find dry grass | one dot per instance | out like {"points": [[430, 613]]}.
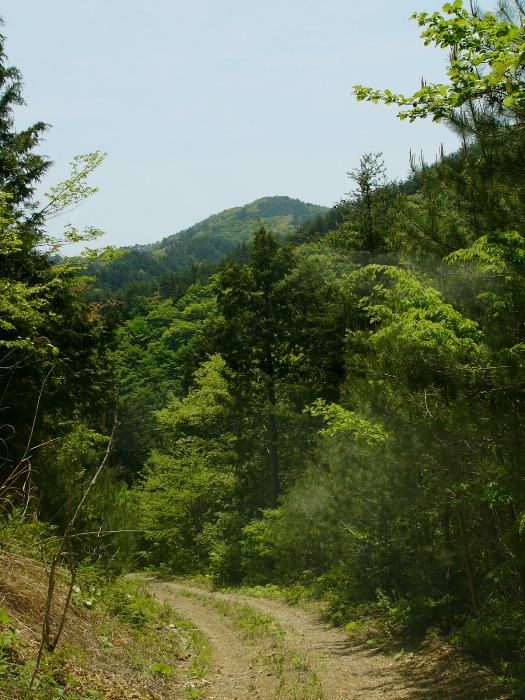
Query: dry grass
{"points": [[97, 652]]}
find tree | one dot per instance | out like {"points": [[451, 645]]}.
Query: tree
{"points": [[486, 66], [153, 349], [54, 350], [279, 339], [20, 168], [256, 335], [55, 364], [370, 211], [189, 480]]}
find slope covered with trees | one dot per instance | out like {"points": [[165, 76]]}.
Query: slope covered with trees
{"points": [[341, 411], [349, 414], [164, 266]]}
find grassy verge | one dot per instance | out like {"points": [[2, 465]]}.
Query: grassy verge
{"points": [[118, 642]]}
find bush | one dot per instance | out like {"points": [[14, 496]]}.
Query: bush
{"points": [[497, 636], [259, 549], [123, 599]]}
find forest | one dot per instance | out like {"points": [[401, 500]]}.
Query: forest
{"points": [[328, 404]]}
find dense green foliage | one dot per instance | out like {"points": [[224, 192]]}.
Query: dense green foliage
{"points": [[349, 413], [57, 374], [164, 267], [342, 408]]}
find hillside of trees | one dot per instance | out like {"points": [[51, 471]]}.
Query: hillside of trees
{"points": [[338, 411], [195, 252]]}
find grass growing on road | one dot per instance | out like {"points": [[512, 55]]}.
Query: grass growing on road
{"points": [[296, 680]]}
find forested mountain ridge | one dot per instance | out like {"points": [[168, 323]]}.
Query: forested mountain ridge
{"points": [[205, 242], [278, 214]]}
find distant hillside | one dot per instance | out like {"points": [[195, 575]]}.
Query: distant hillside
{"points": [[281, 215], [208, 241]]}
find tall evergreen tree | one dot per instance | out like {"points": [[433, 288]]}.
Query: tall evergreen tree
{"points": [[277, 336], [54, 360], [20, 168]]}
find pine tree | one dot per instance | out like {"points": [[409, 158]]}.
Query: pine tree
{"points": [[21, 169], [54, 361]]}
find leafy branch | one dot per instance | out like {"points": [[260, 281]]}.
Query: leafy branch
{"points": [[487, 55]]}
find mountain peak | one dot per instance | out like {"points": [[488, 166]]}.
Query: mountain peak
{"points": [[279, 214]]}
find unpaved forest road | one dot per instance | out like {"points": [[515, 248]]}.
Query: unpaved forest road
{"points": [[315, 661]]}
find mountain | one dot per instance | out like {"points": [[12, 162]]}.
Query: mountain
{"points": [[206, 242], [278, 214]]}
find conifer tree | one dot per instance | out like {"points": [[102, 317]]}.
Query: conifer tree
{"points": [[277, 335], [21, 169], [54, 360]]}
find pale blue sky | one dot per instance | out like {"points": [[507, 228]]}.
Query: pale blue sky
{"points": [[204, 105]]}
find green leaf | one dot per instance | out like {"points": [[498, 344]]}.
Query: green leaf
{"points": [[162, 668], [339, 419], [352, 625], [4, 617]]}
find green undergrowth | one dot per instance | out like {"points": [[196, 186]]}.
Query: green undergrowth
{"points": [[495, 637], [160, 630], [202, 581], [252, 622], [293, 595], [122, 640]]}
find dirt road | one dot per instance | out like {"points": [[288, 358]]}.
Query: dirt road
{"points": [[264, 649]]}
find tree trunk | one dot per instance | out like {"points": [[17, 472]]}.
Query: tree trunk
{"points": [[468, 561], [519, 552], [271, 445]]}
